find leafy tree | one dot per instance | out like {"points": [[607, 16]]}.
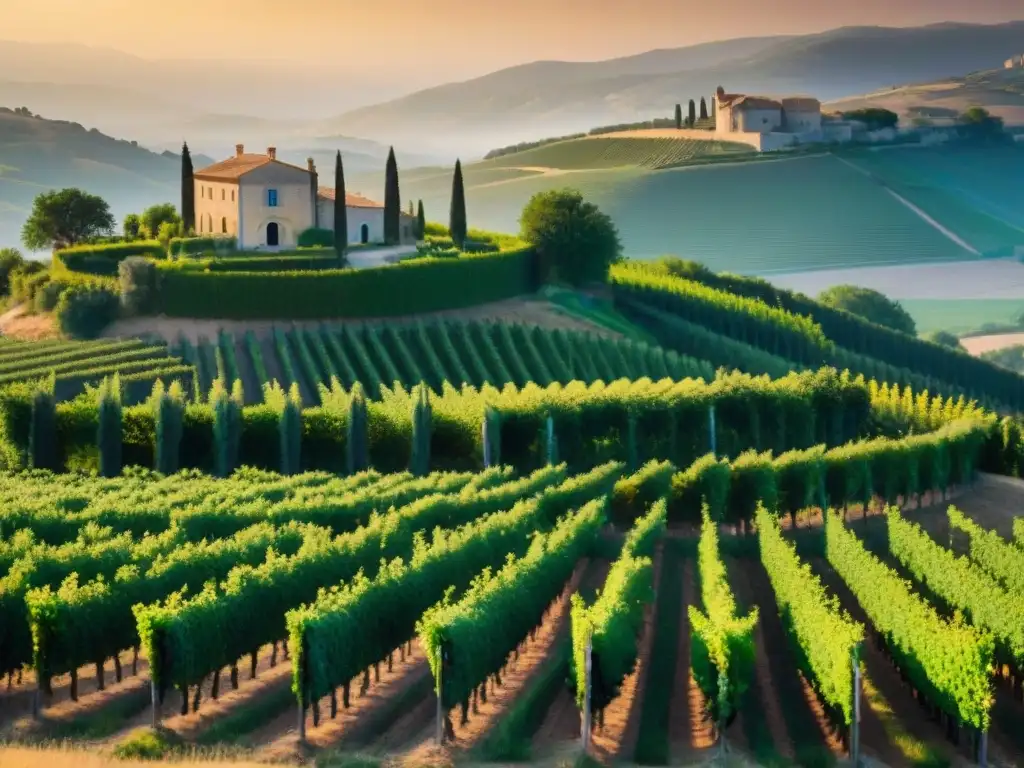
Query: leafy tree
{"points": [[679, 116], [703, 108], [575, 241], [944, 339], [10, 260], [392, 201], [65, 217], [157, 215], [169, 230], [1011, 358], [188, 191], [132, 226], [977, 124], [457, 215], [693, 113], [871, 305], [340, 209], [875, 118]]}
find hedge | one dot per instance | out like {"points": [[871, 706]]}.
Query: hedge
{"points": [[423, 285], [104, 259], [192, 246], [251, 262]]}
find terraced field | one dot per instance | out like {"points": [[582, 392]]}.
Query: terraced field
{"points": [[436, 352], [77, 363], [601, 152]]}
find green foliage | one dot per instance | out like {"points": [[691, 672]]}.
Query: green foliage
{"points": [[340, 209], [137, 282], [875, 118], [992, 552], [421, 431], [421, 285], [42, 445], [469, 640], [195, 246], [944, 339], [83, 312], [154, 217], [10, 260], [132, 227], [392, 201], [109, 426], [421, 221], [457, 225], [316, 238], [633, 495], [722, 643], [227, 427], [947, 662], [65, 217], [575, 242], [168, 406], [824, 639], [188, 191], [871, 305]]}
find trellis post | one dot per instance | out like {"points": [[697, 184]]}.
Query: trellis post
{"points": [[587, 668], [855, 730], [439, 715], [983, 749], [551, 440], [154, 701], [713, 432], [485, 437]]}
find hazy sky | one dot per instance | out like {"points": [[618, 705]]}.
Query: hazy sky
{"points": [[451, 37]]}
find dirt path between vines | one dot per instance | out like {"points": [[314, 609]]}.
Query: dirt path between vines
{"points": [[690, 731]]}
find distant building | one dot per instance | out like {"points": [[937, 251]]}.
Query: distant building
{"points": [[768, 123], [267, 203], [1014, 62]]}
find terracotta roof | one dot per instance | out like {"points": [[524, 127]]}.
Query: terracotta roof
{"points": [[725, 99], [235, 167], [801, 103], [756, 102], [352, 200]]}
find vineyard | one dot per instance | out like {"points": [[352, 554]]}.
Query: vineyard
{"points": [[668, 566], [435, 352], [599, 152]]}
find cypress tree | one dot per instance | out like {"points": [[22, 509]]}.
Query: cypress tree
{"points": [[109, 431], [168, 415], [703, 108], [693, 113], [42, 436], [340, 210], [188, 192], [357, 447], [457, 217], [392, 201], [421, 222], [679, 116]]}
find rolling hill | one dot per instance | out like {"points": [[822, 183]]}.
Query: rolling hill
{"points": [[508, 106]]}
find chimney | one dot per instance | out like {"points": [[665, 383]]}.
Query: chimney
{"points": [[272, 153], [311, 165], [239, 150]]}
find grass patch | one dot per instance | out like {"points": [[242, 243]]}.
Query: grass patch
{"points": [[652, 745], [396, 706], [103, 723], [591, 310], [247, 719], [147, 744], [338, 760]]}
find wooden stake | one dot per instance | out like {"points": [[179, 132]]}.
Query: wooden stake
{"points": [[586, 696]]}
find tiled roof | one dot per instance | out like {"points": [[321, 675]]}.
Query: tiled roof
{"points": [[801, 103], [756, 102], [235, 167], [352, 200]]}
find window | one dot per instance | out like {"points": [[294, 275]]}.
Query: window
{"points": [[232, 195], [223, 194], [224, 225], [202, 192], [272, 198]]}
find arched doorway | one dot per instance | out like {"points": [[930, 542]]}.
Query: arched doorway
{"points": [[364, 234], [272, 234]]}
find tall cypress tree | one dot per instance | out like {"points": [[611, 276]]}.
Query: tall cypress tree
{"points": [[392, 201], [421, 222], [703, 108], [457, 216], [693, 113], [188, 191], [679, 116], [340, 210]]}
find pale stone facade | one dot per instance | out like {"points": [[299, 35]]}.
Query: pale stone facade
{"points": [[267, 203], [768, 124]]}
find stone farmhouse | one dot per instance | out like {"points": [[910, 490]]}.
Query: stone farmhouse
{"points": [[266, 203], [768, 124]]}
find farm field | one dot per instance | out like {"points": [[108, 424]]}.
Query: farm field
{"points": [[798, 214], [437, 352], [972, 191], [962, 315], [389, 718], [598, 152]]}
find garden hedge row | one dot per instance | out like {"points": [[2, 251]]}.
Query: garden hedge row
{"points": [[425, 285], [104, 259]]}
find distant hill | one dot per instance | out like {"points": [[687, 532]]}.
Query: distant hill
{"points": [[552, 98], [1000, 91], [38, 154]]}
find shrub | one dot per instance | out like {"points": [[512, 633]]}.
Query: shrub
{"points": [[10, 260], [102, 259], [25, 284], [47, 295], [871, 305], [137, 278], [194, 246], [435, 228], [316, 238], [944, 339], [84, 311], [421, 285]]}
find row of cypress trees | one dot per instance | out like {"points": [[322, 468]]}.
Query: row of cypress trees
{"points": [[692, 115]]}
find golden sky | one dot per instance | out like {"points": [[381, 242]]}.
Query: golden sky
{"points": [[447, 36]]}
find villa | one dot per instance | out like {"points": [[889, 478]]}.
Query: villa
{"points": [[768, 123], [267, 203]]}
